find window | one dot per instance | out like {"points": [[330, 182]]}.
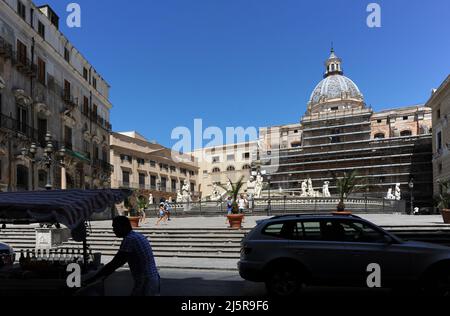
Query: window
{"points": [[163, 184], [216, 170], [205, 172], [22, 178], [86, 149], [152, 163], [94, 83], [192, 173], [311, 231], [85, 73], [86, 106], [286, 230], [67, 90], [406, 133], [142, 177], [68, 137], [335, 139], [296, 144], [21, 53], [231, 168], [153, 182], [22, 119], [216, 159], [246, 156], [42, 131], [230, 158], [140, 161], [246, 167], [334, 108], [405, 118], [126, 178], [66, 54], [41, 29], [439, 141], [42, 72], [358, 232], [21, 10], [173, 169], [192, 187], [174, 185], [379, 121], [379, 136]]}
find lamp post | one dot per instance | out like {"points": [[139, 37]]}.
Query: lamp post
{"points": [[31, 154], [411, 187], [50, 159], [269, 209]]}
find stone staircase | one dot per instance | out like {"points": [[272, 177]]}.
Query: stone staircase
{"points": [[194, 243]]}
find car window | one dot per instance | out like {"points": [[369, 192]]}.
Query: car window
{"points": [[311, 230], [361, 232], [285, 230]]}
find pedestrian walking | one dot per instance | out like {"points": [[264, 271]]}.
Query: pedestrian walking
{"points": [[162, 215], [137, 251]]}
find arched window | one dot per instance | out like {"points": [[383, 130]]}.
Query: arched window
{"points": [[380, 136], [216, 170], [246, 167], [231, 168], [406, 133]]}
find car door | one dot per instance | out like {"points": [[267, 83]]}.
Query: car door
{"points": [[366, 245], [324, 258]]}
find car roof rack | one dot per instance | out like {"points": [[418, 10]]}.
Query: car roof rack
{"points": [[315, 214]]}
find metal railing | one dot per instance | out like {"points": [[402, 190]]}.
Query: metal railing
{"points": [[18, 127]]}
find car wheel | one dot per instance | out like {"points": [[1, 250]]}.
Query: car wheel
{"points": [[284, 282]]}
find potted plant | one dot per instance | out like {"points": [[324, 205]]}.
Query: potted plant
{"points": [[132, 214], [443, 201], [233, 190], [345, 186]]}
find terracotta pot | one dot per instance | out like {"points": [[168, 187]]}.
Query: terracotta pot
{"points": [[446, 216], [134, 221], [235, 220], [347, 213]]}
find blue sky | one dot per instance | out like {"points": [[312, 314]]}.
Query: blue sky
{"points": [[253, 62]]}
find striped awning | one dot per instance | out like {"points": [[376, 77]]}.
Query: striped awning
{"points": [[68, 207]]}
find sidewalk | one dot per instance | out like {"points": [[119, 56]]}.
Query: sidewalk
{"points": [[250, 221]]}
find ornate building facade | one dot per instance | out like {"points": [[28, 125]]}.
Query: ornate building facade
{"points": [[151, 168], [52, 102], [340, 133], [440, 103]]}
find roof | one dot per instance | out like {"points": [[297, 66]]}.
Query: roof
{"points": [[67, 207]]}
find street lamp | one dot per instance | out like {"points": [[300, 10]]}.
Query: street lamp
{"points": [[49, 159], [269, 210], [31, 154], [411, 187]]}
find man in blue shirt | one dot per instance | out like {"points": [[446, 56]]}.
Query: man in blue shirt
{"points": [[137, 251]]}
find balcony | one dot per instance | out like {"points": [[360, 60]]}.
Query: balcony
{"points": [[6, 49], [21, 128], [25, 65], [69, 100], [103, 165]]}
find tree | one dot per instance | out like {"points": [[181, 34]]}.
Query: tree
{"points": [[234, 192], [345, 186]]}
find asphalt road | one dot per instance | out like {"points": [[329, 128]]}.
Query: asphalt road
{"points": [[191, 283]]}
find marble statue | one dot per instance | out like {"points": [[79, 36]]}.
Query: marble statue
{"points": [[304, 188], [151, 201], [229, 186], [398, 192], [179, 196], [251, 185], [326, 189], [311, 192], [215, 195], [186, 192], [259, 186], [389, 195]]}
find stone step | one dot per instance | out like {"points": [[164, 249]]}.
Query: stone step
{"points": [[165, 244]]}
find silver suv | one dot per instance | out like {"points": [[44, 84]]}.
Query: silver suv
{"points": [[289, 252]]}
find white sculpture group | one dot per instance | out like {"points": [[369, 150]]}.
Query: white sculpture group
{"points": [[397, 196], [184, 194], [308, 189]]}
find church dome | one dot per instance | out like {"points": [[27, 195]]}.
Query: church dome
{"points": [[335, 88]]}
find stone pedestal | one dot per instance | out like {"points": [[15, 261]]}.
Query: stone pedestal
{"points": [[47, 238]]}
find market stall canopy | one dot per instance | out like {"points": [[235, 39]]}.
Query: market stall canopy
{"points": [[70, 207]]}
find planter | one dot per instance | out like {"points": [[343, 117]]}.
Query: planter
{"points": [[235, 220], [134, 221], [446, 215], [346, 213]]}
